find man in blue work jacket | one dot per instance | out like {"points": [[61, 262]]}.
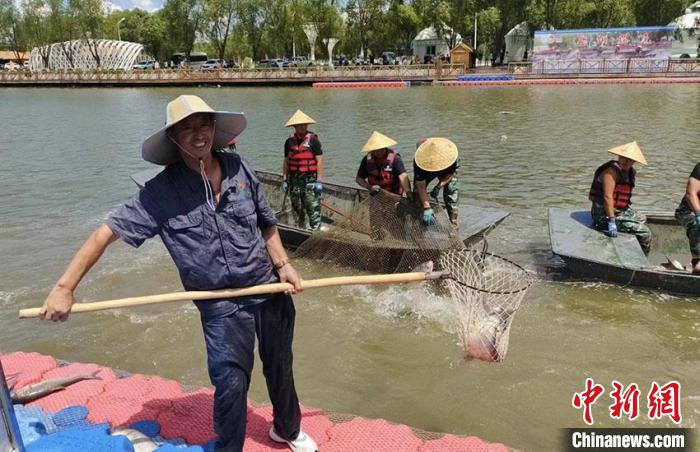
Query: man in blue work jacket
{"points": [[210, 212]]}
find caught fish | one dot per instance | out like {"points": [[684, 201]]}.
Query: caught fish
{"points": [[425, 267], [44, 388], [673, 265], [141, 442], [490, 341]]}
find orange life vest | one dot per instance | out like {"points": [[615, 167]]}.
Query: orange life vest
{"points": [[381, 172], [624, 183], [300, 157]]}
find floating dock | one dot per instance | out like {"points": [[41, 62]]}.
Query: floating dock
{"points": [[483, 81], [363, 85], [82, 416]]}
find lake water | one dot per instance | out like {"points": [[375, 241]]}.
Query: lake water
{"points": [[390, 352]]}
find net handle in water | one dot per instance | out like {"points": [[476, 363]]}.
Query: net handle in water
{"points": [[394, 278]]}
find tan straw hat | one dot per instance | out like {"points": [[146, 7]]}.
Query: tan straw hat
{"points": [[378, 141], [159, 148], [299, 117], [436, 154], [631, 151]]}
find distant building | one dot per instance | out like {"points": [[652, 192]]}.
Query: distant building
{"points": [[686, 42], [518, 42], [427, 42], [79, 55]]}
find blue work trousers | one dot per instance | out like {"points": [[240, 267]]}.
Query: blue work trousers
{"points": [[229, 332]]}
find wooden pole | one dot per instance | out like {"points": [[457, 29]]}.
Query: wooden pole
{"points": [[247, 291]]}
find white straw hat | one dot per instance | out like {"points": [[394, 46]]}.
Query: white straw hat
{"points": [[630, 150], [378, 141], [159, 148], [436, 154], [299, 117]]}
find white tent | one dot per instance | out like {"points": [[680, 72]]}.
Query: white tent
{"points": [[687, 31], [517, 43], [427, 42]]}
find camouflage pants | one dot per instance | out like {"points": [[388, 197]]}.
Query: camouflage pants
{"points": [[450, 195], [628, 220], [304, 201], [687, 218]]}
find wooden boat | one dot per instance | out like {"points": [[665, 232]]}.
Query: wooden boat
{"points": [[592, 255], [340, 200]]}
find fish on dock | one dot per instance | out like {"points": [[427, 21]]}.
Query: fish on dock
{"points": [[141, 442], [44, 388]]}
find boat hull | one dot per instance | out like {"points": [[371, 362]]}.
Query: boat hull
{"points": [[591, 255]]}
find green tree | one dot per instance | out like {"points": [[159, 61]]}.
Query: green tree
{"points": [[11, 32], [184, 20], [219, 17], [658, 12]]}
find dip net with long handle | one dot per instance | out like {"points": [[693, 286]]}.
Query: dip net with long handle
{"points": [[385, 233]]}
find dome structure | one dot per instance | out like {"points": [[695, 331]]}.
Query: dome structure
{"points": [[79, 54]]}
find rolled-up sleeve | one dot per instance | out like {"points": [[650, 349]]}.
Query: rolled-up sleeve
{"points": [[136, 220]]}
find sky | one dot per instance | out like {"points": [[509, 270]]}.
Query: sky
{"points": [[148, 5]]}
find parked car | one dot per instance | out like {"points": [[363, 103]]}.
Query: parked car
{"points": [[145, 64], [300, 61], [273, 63], [210, 65], [11, 66], [388, 57]]}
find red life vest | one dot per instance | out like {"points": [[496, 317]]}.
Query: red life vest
{"points": [[382, 173], [624, 183], [300, 157]]}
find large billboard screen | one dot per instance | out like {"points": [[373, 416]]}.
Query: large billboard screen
{"points": [[603, 43]]}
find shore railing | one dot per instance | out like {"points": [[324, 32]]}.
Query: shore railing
{"points": [[258, 75], [630, 66]]}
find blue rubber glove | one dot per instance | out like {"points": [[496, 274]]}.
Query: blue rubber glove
{"points": [[285, 186], [697, 220], [429, 217], [318, 188], [436, 191], [612, 228]]}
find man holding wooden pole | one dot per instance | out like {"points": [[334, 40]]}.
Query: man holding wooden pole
{"points": [[220, 231]]}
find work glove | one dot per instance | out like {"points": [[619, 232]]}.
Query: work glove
{"points": [[697, 220], [318, 188], [436, 191], [612, 228], [374, 189], [285, 186], [429, 217]]}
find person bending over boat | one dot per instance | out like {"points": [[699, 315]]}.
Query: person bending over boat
{"points": [[303, 170], [382, 171], [611, 195], [437, 158], [688, 214], [211, 214], [382, 167]]}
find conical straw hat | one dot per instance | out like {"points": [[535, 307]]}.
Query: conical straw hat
{"points": [[299, 117], [436, 154], [378, 141], [631, 151]]}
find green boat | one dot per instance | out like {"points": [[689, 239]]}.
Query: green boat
{"points": [[339, 201], [591, 255]]}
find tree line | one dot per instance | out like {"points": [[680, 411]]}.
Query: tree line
{"points": [[232, 29]]}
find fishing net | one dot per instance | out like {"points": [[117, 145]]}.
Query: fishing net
{"points": [[489, 290], [384, 233]]}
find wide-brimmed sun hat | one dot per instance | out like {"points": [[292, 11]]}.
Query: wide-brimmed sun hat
{"points": [[378, 141], [630, 150], [436, 154], [159, 148], [299, 117]]}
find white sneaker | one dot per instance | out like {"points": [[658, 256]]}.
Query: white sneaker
{"points": [[303, 443]]}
